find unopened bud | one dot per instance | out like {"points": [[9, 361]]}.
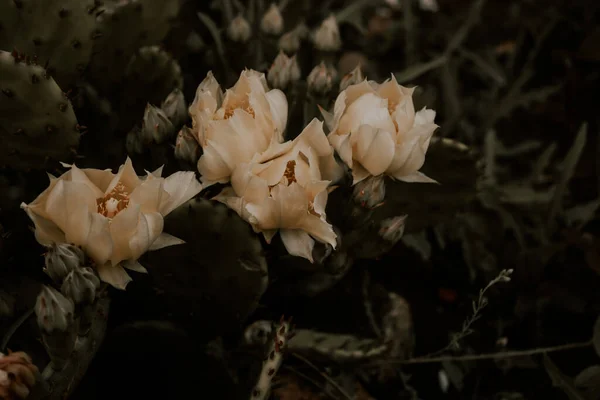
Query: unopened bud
{"points": [[133, 141], [321, 78], [370, 192], [55, 318], [156, 126], [353, 78], [239, 30], [175, 107], [327, 36], [62, 258], [284, 71], [7, 305], [429, 5], [392, 229], [186, 146], [290, 41], [81, 285], [272, 21]]}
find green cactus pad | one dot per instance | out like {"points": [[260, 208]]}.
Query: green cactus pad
{"points": [[127, 26], [59, 33], [37, 122], [218, 275]]}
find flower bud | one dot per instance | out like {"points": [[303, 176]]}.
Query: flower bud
{"points": [[156, 126], [392, 229], [175, 108], [352, 78], [7, 305], [81, 285], [55, 317], [290, 41], [370, 192], [327, 36], [17, 375], [272, 21], [321, 78], [54, 311], [284, 71], [186, 146], [62, 258], [239, 30], [429, 5], [133, 141]]}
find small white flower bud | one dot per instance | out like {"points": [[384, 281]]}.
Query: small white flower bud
{"points": [[175, 107], [370, 192], [81, 285], [392, 229], [53, 310], [186, 146], [327, 36], [156, 126], [290, 41], [321, 78], [284, 71], [239, 30], [353, 78], [272, 21], [62, 258]]}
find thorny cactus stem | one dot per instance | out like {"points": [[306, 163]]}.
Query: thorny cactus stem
{"points": [[281, 335]]}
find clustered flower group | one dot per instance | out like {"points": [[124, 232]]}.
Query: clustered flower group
{"points": [[273, 184], [278, 185]]}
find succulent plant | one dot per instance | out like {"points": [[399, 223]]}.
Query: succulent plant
{"points": [[37, 122]]}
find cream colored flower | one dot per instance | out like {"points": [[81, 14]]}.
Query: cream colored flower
{"points": [[285, 189], [327, 36], [231, 128], [375, 130], [115, 218]]}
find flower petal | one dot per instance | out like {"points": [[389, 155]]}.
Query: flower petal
{"points": [[416, 177], [127, 176], [165, 240], [181, 187], [298, 243], [373, 148], [46, 231], [134, 265], [113, 275], [99, 245], [278, 106], [123, 227], [149, 228], [148, 195]]}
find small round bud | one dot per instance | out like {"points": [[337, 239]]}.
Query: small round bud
{"points": [[175, 107], [7, 305], [290, 41], [327, 36], [370, 192], [156, 126], [239, 30], [54, 311], [81, 285], [356, 76], [62, 258], [272, 21], [284, 71], [321, 78], [186, 146], [392, 229]]}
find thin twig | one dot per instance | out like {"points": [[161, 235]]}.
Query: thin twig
{"points": [[489, 356]]}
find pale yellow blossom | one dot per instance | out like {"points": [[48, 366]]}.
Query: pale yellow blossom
{"points": [[115, 218], [375, 130], [232, 127]]}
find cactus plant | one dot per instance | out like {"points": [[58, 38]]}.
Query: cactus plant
{"points": [[37, 122]]}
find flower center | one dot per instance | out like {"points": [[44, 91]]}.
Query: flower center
{"points": [[230, 110], [290, 172], [114, 202]]}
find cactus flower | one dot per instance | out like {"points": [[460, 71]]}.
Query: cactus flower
{"points": [[232, 128], [285, 189], [375, 130], [115, 218]]}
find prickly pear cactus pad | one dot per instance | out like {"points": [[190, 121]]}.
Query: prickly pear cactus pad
{"points": [[59, 33], [37, 122], [219, 274], [127, 26]]}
